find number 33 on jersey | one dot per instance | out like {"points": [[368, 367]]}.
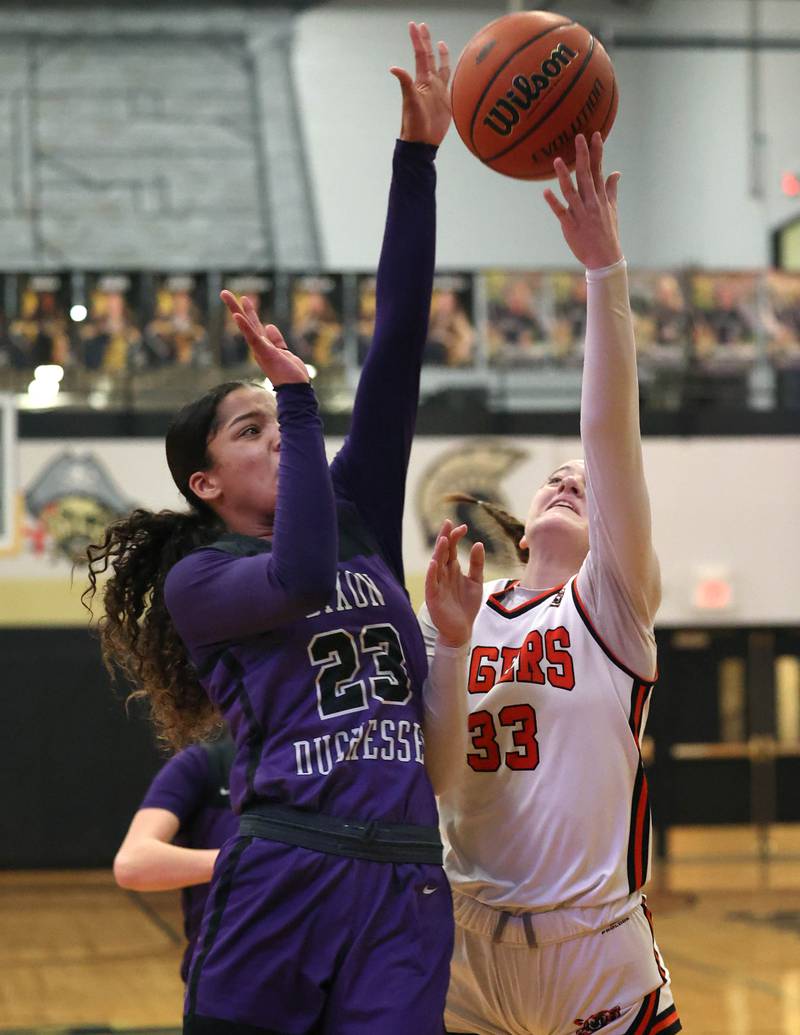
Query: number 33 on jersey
{"points": [[538, 660]]}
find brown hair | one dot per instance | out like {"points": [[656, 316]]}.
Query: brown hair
{"points": [[137, 636], [512, 528]]}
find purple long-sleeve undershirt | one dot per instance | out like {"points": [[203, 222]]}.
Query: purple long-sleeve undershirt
{"points": [[214, 596], [371, 467]]}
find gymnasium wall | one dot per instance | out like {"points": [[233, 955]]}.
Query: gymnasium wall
{"points": [[683, 136], [722, 509], [73, 765], [136, 136], [235, 98]]}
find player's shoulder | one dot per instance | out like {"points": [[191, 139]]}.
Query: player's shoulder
{"points": [[177, 780], [188, 574], [191, 759]]}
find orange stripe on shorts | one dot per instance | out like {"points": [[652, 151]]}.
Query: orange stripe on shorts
{"points": [[668, 1019]]}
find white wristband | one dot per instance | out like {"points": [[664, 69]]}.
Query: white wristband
{"points": [[448, 650]]}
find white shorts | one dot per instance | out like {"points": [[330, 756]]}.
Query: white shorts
{"points": [[544, 974]]}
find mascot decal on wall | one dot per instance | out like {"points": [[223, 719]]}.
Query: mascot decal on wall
{"points": [[72, 500]]}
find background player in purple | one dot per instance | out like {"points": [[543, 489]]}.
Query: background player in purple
{"points": [[284, 583], [175, 837]]}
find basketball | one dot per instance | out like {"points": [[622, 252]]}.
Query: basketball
{"points": [[525, 86]]}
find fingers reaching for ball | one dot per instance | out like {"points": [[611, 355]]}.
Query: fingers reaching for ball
{"points": [[424, 56], [587, 160], [588, 211], [426, 99]]}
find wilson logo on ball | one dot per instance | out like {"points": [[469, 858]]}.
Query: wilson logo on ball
{"points": [[505, 113], [525, 85]]}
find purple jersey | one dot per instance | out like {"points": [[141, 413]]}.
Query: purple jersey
{"points": [[318, 671], [194, 787]]}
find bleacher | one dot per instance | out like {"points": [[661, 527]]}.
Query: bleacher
{"points": [[130, 339]]}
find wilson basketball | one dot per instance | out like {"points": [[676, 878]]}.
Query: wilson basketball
{"points": [[525, 86]]}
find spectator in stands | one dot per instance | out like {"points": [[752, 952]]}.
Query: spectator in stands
{"points": [[451, 336], [514, 323], [780, 318], [781, 315], [660, 319], [316, 332], [177, 336], [669, 311], [109, 338], [234, 351], [174, 838], [569, 327], [39, 334], [727, 319], [5, 344]]}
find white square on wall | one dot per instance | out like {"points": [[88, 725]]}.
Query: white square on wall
{"points": [[8, 471]]}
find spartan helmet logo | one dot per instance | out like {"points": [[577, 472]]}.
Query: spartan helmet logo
{"points": [[475, 467]]}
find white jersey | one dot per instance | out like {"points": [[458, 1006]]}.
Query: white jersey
{"points": [[551, 807]]}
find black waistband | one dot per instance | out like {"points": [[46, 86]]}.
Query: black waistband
{"points": [[354, 838]]}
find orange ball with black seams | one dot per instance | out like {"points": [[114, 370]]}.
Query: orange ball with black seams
{"points": [[525, 86]]}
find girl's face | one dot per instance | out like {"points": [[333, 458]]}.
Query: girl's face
{"points": [[242, 480], [559, 507]]}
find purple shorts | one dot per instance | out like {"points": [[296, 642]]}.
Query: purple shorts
{"points": [[298, 942]]}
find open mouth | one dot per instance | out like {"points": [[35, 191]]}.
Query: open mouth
{"points": [[564, 504]]}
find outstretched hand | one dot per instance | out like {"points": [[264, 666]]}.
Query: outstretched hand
{"points": [[426, 99], [454, 598], [266, 342], [588, 215]]}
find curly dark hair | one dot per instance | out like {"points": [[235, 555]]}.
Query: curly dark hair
{"points": [[137, 635]]}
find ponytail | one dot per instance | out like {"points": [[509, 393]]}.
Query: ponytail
{"points": [[512, 528], [137, 636]]}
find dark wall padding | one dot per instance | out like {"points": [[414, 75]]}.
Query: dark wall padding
{"points": [[73, 765]]}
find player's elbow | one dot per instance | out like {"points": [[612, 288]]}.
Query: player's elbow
{"points": [[128, 870]]}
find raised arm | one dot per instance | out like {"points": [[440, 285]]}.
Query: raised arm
{"points": [[371, 467], [619, 507]]}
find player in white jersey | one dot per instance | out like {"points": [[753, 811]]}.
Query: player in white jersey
{"points": [[546, 821]]}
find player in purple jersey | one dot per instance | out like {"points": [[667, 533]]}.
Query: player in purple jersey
{"points": [[279, 602], [174, 838]]}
